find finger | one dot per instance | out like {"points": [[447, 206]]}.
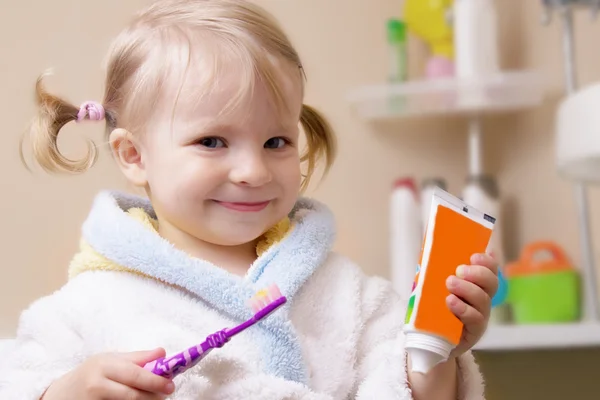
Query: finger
{"points": [[116, 390], [480, 276], [142, 357], [471, 294], [134, 376], [485, 260], [473, 320]]}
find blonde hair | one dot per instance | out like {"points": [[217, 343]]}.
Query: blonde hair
{"points": [[138, 67]]}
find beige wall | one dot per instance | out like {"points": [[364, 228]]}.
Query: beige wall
{"points": [[342, 43]]}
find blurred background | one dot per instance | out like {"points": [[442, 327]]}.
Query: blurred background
{"points": [[479, 97]]}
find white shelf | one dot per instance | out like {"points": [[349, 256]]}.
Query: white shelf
{"points": [[539, 337], [506, 91]]}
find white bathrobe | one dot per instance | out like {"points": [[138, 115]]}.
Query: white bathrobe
{"points": [[339, 336]]}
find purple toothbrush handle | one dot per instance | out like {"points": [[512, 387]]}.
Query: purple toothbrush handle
{"points": [[170, 367]]}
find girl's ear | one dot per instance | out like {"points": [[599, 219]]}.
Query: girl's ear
{"points": [[128, 153]]}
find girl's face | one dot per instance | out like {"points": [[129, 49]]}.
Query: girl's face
{"points": [[227, 179]]}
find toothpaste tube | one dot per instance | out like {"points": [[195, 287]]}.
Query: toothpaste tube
{"points": [[455, 231]]}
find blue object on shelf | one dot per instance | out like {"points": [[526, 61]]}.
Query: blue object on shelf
{"points": [[500, 296]]}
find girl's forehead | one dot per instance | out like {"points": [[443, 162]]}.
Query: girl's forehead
{"points": [[230, 97]]}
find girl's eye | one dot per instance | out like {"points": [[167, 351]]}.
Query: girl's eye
{"points": [[275, 143], [211, 142]]}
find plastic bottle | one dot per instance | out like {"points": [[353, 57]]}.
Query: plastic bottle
{"points": [[476, 47], [475, 38], [427, 188], [430, 21], [396, 37], [405, 235], [454, 233], [482, 192]]}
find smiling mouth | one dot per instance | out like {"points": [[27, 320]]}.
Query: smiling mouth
{"points": [[244, 206]]}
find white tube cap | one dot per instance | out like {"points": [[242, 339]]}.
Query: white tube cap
{"points": [[423, 361], [426, 351]]}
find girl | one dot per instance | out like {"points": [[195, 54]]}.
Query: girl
{"points": [[202, 108]]}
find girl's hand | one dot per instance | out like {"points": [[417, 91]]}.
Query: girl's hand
{"points": [[113, 376], [470, 300]]}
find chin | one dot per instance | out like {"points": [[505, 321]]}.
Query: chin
{"points": [[233, 242], [237, 238]]}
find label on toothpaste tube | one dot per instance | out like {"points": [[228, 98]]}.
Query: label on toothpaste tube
{"points": [[413, 295]]}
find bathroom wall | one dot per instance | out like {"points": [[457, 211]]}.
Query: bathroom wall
{"points": [[343, 45]]}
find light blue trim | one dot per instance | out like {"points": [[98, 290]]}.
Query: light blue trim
{"points": [[125, 241]]}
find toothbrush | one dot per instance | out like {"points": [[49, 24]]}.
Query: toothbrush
{"points": [[263, 304]]}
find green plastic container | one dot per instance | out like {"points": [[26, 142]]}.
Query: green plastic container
{"points": [[545, 298], [545, 291]]}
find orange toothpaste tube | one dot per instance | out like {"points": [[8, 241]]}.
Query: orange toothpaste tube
{"points": [[455, 231]]}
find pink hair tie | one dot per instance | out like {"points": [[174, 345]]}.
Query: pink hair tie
{"points": [[91, 109]]}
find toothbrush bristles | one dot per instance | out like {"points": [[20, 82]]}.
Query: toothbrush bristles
{"points": [[275, 292], [264, 297]]}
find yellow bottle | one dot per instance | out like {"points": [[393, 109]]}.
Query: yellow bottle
{"points": [[430, 21]]}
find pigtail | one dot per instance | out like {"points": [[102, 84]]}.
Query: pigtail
{"points": [[52, 114], [320, 141]]}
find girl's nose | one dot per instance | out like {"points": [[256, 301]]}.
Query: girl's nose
{"points": [[251, 171]]}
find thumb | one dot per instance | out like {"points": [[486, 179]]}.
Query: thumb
{"points": [[145, 356]]}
